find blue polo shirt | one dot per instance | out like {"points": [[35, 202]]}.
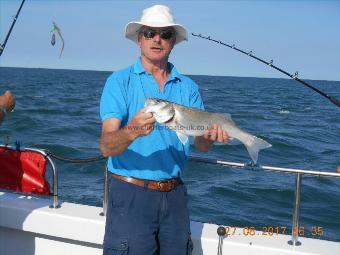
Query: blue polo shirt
{"points": [[159, 155]]}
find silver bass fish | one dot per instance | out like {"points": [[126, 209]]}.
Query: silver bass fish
{"points": [[186, 121]]}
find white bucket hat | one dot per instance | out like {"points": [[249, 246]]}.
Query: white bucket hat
{"points": [[155, 16]]}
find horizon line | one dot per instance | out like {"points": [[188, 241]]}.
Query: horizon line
{"points": [[89, 70]]}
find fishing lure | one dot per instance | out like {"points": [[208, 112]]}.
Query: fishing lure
{"points": [[53, 39], [56, 30]]}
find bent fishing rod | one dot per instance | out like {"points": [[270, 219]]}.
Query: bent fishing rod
{"points": [[2, 46], [270, 63]]}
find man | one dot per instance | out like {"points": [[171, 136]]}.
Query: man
{"points": [[7, 104], [147, 210]]}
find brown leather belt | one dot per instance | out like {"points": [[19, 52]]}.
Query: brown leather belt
{"points": [[164, 185]]}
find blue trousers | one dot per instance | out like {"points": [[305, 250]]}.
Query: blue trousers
{"points": [[140, 221]]}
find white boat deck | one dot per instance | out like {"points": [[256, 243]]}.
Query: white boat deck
{"points": [[28, 226]]}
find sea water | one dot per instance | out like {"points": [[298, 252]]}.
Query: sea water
{"points": [[58, 110]]}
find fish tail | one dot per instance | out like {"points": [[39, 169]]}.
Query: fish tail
{"points": [[254, 145]]}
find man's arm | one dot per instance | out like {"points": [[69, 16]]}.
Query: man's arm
{"points": [[115, 140], [7, 103], [215, 134]]}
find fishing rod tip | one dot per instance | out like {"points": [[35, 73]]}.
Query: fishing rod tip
{"points": [[335, 101]]}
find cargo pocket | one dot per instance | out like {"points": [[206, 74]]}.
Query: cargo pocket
{"points": [[190, 246], [118, 247]]}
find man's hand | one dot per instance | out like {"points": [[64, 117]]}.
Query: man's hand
{"points": [[214, 134], [141, 124], [115, 140], [7, 101]]}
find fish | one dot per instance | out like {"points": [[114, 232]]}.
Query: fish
{"points": [[187, 121], [57, 29]]}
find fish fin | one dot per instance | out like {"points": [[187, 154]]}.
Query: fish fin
{"points": [[182, 137], [218, 144], [228, 117], [231, 141], [255, 145]]}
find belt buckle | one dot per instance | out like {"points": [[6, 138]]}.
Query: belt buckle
{"points": [[162, 185]]}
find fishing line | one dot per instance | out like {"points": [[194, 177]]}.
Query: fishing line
{"points": [[270, 63], [2, 46]]}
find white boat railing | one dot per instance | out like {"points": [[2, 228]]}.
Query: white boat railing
{"points": [[297, 194], [55, 204], [298, 179]]}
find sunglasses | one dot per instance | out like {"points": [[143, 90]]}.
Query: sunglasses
{"points": [[164, 34]]}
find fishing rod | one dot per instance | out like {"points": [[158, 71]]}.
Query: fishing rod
{"points": [[270, 63], [2, 46]]}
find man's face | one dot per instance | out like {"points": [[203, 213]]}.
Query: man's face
{"points": [[156, 43]]}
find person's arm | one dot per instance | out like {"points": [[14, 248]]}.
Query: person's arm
{"points": [[115, 140], [7, 104], [2, 114], [215, 134]]}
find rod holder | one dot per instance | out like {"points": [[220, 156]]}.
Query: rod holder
{"points": [[221, 233], [296, 212]]}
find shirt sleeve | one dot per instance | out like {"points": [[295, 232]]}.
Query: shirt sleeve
{"points": [[195, 97], [113, 100]]}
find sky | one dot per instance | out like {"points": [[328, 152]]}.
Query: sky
{"points": [[299, 36]]}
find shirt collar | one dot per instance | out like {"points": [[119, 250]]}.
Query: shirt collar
{"points": [[173, 72], [138, 68]]}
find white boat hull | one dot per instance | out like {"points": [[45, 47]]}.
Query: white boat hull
{"points": [[28, 226]]}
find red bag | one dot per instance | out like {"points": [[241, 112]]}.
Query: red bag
{"points": [[23, 171]]}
